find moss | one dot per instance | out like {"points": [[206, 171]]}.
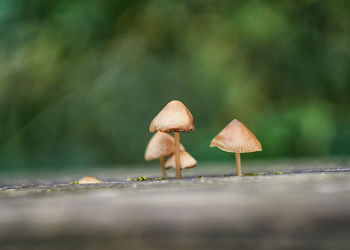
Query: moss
{"points": [[278, 172], [201, 176], [142, 178], [223, 175], [128, 179], [159, 179], [74, 182], [251, 174]]}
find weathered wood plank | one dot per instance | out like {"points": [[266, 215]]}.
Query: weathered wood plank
{"points": [[302, 210]]}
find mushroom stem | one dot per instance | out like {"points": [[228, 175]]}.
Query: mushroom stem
{"points": [[238, 164], [161, 160], [177, 155]]}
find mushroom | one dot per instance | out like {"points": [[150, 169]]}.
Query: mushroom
{"points": [[160, 145], [187, 161], [89, 180], [174, 117], [236, 138]]}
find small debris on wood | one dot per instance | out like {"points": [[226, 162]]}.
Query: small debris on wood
{"points": [[251, 174]]}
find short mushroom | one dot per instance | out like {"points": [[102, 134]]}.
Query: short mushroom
{"points": [[236, 138], [187, 161], [89, 180], [174, 117], [160, 145]]}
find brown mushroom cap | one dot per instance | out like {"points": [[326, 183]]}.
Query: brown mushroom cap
{"points": [[187, 161], [161, 144], [174, 117], [89, 180], [237, 138]]}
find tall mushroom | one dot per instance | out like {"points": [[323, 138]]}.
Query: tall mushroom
{"points": [[174, 117], [236, 138], [187, 161], [160, 145]]}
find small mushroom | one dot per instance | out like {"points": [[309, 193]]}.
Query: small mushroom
{"points": [[160, 145], [187, 161], [89, 180], [236, 138], [174, 117]]}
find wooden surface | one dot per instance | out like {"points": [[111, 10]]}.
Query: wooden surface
{"points": [[307, 207]]}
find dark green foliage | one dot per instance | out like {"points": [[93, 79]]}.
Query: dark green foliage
{"points": [[80, 81]]}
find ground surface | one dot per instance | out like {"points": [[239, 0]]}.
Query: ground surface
{"points": [[308, 207]]}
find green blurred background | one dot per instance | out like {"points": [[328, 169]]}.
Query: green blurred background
{"points": [[80, 81]]}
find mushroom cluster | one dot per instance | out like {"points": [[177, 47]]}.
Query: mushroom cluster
{"points": [[174, 117]]}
